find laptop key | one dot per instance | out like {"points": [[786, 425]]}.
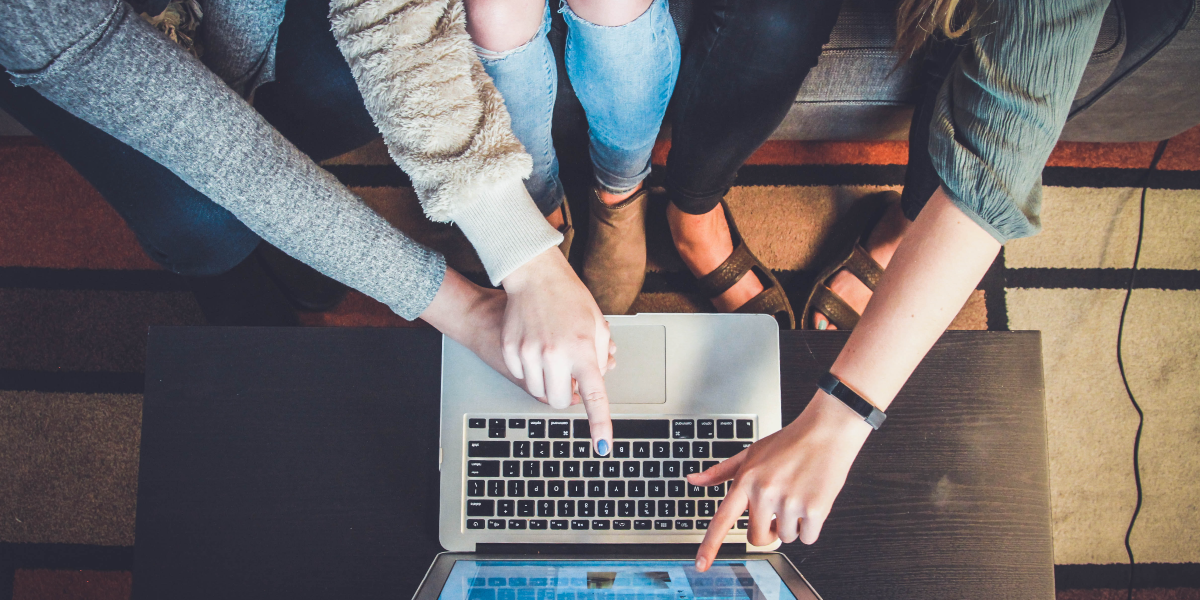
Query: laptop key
{"points": [[586, 508], [683, 429], [700, 449], [620, 449], [531, 468], [521, 449], [481, 508], [675, 488], [621, 524], [645, 508], [551, 468], [687, 508], [506, 508], [570, 468], [476, 423], [707, 507], [516, 423], [631, 468], [516, 523], [702, 523], [537, 524], [670, 468], [545, 508], [743, 524], [591, 468], [556, 488], [495, 523], [595, 489], [575, 489], [600, 525], [525, 508], [728, 449], [643, 524], [662, 524], [680, 449], [666, 508], [483, 468], [656, 488], [641, 449], [641, 429], [475, 523], [690, 466], [488, 449], [616, 489], [559, 524], [541, 449], [496, 488], [536, 488], [695, 491], [496, 428], [606, 508], [704, 429], [708, 464], [475, 488], [512, 468], [684, 525], [662, 449], [626, 508], [611, 468], [745, 428], [582, 429], [559, 428], [637, 489], [716, 491], [651, 468], [579, 524], [516, 488], [581, 450], [562, 449], [566, 508]]}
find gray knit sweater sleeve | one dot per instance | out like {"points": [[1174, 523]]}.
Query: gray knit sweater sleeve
{"points": [[1001, 110], [102, 63], [444, 123]]}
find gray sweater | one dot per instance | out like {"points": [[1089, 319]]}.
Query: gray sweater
{"points": [[102, 63]]}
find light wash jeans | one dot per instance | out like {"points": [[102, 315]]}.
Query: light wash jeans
{"points": [[623, 76]]}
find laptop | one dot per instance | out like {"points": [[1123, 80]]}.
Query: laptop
{"points": [[689, 390]]}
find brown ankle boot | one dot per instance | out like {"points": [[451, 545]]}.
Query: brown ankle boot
{"points": [[614, 262]]}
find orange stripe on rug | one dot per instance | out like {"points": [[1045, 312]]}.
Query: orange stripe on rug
{"points": [[42, 584]]}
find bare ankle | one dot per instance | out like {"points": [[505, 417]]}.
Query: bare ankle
{"points": [[611, 199]]}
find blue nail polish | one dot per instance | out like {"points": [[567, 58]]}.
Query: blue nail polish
{"points": [[822, 324], [602, 448]]}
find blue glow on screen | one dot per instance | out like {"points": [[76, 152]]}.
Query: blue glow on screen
{"points": [[613, 580]]}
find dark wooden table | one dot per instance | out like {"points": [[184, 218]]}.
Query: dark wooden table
{"points": [[302, 463]]}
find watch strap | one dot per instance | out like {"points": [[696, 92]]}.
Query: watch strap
{"points": [[830, 384]]}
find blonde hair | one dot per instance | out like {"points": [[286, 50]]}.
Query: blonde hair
{"points": [[918, 20]]}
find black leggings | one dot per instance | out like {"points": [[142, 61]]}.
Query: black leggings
{"points": [[741, 71]]}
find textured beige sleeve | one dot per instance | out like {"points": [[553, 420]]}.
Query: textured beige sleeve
{"points": [[444, 123]]}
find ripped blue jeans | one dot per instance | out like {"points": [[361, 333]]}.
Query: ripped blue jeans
{"points": [[623, 76]]}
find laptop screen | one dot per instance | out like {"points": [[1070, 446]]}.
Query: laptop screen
{"points": [[613, 580]]}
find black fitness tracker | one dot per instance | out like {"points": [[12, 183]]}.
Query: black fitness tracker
{"points": [[830, 384]]}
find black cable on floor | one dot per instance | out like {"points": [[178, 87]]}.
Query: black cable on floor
{"points": [[1137, 439]]}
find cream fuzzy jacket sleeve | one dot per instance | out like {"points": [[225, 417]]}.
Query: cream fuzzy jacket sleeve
{"points": [[444, 123]]}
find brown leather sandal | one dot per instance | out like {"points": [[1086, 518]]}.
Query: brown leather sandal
{"points": [[771, 301], [853, 230]]}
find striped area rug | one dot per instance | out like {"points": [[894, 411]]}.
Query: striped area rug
{"points": [[76, 296]]}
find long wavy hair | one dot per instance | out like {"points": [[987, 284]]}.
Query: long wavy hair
{"points": [[918, 20]]}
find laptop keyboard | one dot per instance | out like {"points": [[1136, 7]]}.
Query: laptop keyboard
{"points": [[540, 473]]}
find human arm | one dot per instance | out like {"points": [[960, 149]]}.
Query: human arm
{"points": [[996, 121], [445, 125]]}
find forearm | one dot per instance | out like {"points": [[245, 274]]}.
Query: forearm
{"points": [[129, 81], [935, 269]]}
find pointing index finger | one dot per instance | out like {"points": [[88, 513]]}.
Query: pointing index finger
{"points": [[595, 402], [732, 508]]}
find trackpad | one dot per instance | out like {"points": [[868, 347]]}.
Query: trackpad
{"points": [[641, 373]]}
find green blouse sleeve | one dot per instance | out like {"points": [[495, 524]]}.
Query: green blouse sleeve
{"points": [[1003, 106]]}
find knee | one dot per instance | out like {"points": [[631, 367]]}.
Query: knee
{"points": [[197, 243], [502, 25], [609, 13], [792, 24]]}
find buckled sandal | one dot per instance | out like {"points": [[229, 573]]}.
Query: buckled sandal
{"points": [[771, 301], [851, 233]]}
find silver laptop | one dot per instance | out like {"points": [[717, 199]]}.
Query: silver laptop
{"points": [[689, 390]]}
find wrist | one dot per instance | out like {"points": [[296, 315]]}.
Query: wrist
{"points": [[835, 416], [532, 273]]}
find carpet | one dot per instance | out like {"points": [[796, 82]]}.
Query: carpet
{"points": [[76, 296]]}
